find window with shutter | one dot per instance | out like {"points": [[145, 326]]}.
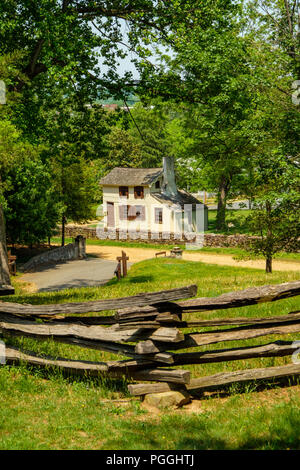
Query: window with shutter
{"points": [[158, 215], [123, 191], [131, 212], [140, 212]]}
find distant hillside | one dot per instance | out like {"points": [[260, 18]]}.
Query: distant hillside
{"points": [[131, 100]]}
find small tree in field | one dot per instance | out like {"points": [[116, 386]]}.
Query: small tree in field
{"points": [[275, 216]]}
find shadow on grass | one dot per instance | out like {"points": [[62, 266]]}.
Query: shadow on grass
{"points": [[222, 429], [54, 373], [131, 280], [51, 297], [276, 439], [246, 387], [140, 279]]}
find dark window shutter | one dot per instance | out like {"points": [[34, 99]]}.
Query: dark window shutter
{"points": [[123, 212], [140, 212], [131, 212]]}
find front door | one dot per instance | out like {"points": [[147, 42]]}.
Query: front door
{"points": [[110, 214]]}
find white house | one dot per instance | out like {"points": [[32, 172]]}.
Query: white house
{"points": [[147, 200]]}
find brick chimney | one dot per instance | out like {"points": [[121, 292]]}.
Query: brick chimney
{"points": [[169, 187]]}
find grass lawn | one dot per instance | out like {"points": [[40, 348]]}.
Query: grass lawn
{"points": [[43, 410], [235, 218]]}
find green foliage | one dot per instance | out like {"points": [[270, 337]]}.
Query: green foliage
{"points": [[149, 127], [26, 191], [275, 216], [10, 145], [14, 150], [209, 73], [32, 208], [124, 150], [74, 139], [77, 188]]}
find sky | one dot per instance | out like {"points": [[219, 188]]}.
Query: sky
{"points": [[126, 64]]}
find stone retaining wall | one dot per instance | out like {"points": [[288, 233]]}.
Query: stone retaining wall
{"points": [[68, 252], [210, 239]]}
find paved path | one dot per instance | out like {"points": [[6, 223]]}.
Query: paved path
{"points": [[82, 273]]}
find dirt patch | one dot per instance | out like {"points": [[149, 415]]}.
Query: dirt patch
{"points": [[258, 399], [27, 287], [140, 254]]}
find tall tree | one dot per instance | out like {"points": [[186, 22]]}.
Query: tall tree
{"points": [[274, 29], [74, 141], [209, 71], [11, 149], [71, 49]]}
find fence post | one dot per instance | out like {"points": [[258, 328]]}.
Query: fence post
{"points": [[124, 260], [80, 243]]}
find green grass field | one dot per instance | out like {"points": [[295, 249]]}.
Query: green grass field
{"points": [[235, 220], [44, 410]]}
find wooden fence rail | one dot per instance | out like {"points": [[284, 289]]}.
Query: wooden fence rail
{"points": [[146, 328], [147, 298], [246, 297], [224, 378]]}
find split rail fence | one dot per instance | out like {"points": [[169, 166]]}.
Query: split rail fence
{"points": [[147, 330]]}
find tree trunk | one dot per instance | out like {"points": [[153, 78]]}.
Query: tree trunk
{"points": [[269, 239], [269, 264], [222, 198], [63, 223], [4, 269]]}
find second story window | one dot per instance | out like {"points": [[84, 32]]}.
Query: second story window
{"points": [[138, 192], [123, 191]]}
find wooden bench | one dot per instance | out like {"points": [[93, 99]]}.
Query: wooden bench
{"points": [[160, 253], [12, 263]]}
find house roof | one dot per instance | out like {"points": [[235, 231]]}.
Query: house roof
{"points": [[181, 198], [131, 176]]}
